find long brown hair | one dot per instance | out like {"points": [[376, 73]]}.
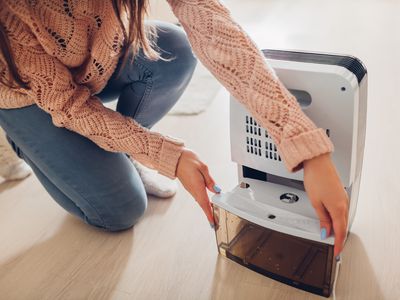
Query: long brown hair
{"points": [[131, 15]]}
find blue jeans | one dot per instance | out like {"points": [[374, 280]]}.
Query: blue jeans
{"points": [[103, 188]]}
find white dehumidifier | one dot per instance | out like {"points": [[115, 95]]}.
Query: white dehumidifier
{"points": [[267, 223]]}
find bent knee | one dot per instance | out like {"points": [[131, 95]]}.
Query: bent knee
{"points": [[124, 213]]}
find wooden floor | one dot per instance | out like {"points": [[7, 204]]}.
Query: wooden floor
{"points": [[171, 253]]}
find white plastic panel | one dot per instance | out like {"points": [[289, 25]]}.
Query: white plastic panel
{"points": [[260, 203], [335, 98]]}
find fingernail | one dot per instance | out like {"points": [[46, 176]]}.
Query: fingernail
{"points": [[337, 257], [217, 189], [323, 233], [212, 226]]}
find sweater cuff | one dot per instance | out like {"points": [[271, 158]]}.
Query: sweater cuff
{"points": [[171, 151], [303, 147]]}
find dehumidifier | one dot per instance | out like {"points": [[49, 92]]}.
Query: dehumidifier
{"points": [[266, 223]]}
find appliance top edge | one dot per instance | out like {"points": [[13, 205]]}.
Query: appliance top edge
{"points": [[351, 63]]}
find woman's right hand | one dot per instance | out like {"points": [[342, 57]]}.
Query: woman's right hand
{"points": [[196, 179], [329, 198]]}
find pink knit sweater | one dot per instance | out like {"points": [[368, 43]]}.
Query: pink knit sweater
{"points": [[69, 49]]}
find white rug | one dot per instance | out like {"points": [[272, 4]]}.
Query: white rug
{"points": [[199, 94]]}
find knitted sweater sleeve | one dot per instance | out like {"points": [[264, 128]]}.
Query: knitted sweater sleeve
{"points": [[233, 58], [72, 106]]}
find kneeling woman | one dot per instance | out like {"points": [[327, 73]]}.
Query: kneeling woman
{"points": [[60, 60]]}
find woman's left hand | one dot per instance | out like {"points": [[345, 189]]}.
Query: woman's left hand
{"points": [[328, 198]]}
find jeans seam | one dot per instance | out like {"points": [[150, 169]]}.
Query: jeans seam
{"points": [[148, 89]]}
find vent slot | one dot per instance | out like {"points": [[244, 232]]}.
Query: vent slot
{"points": [[328, 132]]}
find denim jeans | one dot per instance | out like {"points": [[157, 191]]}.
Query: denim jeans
{"points": [[103, 188]]}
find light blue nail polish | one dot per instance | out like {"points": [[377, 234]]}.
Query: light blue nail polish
{"points": [[212, 226], [217, 189], [323, 233], [337, 258]]}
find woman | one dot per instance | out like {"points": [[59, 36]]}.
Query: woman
{"points": [[60, 61]]}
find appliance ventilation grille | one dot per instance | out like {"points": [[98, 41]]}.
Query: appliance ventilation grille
{"points": [[259, 143]]}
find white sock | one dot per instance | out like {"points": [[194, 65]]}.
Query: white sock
{"points": [[15, 172], [154, 183], [11, 166]]}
